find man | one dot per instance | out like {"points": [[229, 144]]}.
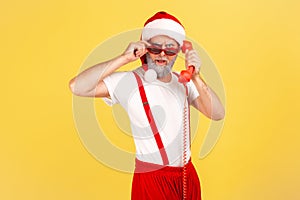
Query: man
{"points": [[158, 107]]}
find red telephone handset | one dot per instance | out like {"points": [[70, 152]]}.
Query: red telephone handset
{"points": [[186, 75]]}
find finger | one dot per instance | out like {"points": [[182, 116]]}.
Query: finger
{"points": [[186, 53], [194, 60], [138, 48], [140, 52], [194, 57], [192, 53], [142, 44], [135, 52], [145, 43]]}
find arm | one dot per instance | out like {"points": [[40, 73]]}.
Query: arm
{"points": [[207, 102], [89, 83]]}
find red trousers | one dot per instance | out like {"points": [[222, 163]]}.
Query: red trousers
{"points": [[155, 182]]}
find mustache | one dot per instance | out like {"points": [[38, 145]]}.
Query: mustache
{"points": [[161, 58], [161, 71]]}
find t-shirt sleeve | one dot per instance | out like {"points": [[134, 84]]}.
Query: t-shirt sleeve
{"points": [[192, 92], [112, 82]]}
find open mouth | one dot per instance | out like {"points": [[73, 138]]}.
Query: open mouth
{"points": [[161, 62]]}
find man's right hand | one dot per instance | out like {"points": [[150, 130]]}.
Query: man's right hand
{"points": [[135, 50], [89, 83]]}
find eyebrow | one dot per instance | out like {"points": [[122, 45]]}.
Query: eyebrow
{"points": [[160, 45], [155, 44]]}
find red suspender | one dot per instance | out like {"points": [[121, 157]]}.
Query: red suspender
{"points": [[145, 67], [151, 121]]}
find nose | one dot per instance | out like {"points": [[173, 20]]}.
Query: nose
{"points": [[162, 53]]}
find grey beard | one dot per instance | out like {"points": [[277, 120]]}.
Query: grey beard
{"points": [[161, 71]]}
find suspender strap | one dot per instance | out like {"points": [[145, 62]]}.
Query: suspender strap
{"points": [[145, 67], [151, 121]]}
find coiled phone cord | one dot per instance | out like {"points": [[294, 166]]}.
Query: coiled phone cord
{"points": [[184, 157]]}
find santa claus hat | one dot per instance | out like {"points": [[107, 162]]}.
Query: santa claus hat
{"points": [[163, 23]]}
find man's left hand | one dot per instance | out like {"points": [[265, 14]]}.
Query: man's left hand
{"points": [[192, 58]]}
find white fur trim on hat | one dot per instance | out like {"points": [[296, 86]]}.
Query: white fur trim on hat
{"points": [[166, 27]]}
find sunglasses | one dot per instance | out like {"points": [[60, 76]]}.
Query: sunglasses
{"points": [[167, 51]]}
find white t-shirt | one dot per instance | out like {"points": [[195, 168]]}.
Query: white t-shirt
{"points": [[167, 101]]}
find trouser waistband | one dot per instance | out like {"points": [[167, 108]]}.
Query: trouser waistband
{"points": [[143, 167]]}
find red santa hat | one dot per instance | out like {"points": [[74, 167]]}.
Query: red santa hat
{"points": [[163, 23]]}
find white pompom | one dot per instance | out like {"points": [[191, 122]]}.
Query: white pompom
{"points": [[150, 75]]}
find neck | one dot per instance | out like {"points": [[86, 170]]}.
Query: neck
{"points": [[166, 78]]}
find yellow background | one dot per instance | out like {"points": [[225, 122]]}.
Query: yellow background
{"points": [[255, 45]]}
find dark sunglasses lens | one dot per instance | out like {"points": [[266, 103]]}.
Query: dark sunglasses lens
{"points": [[168, 52], [171, 52], [154, 50]]}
